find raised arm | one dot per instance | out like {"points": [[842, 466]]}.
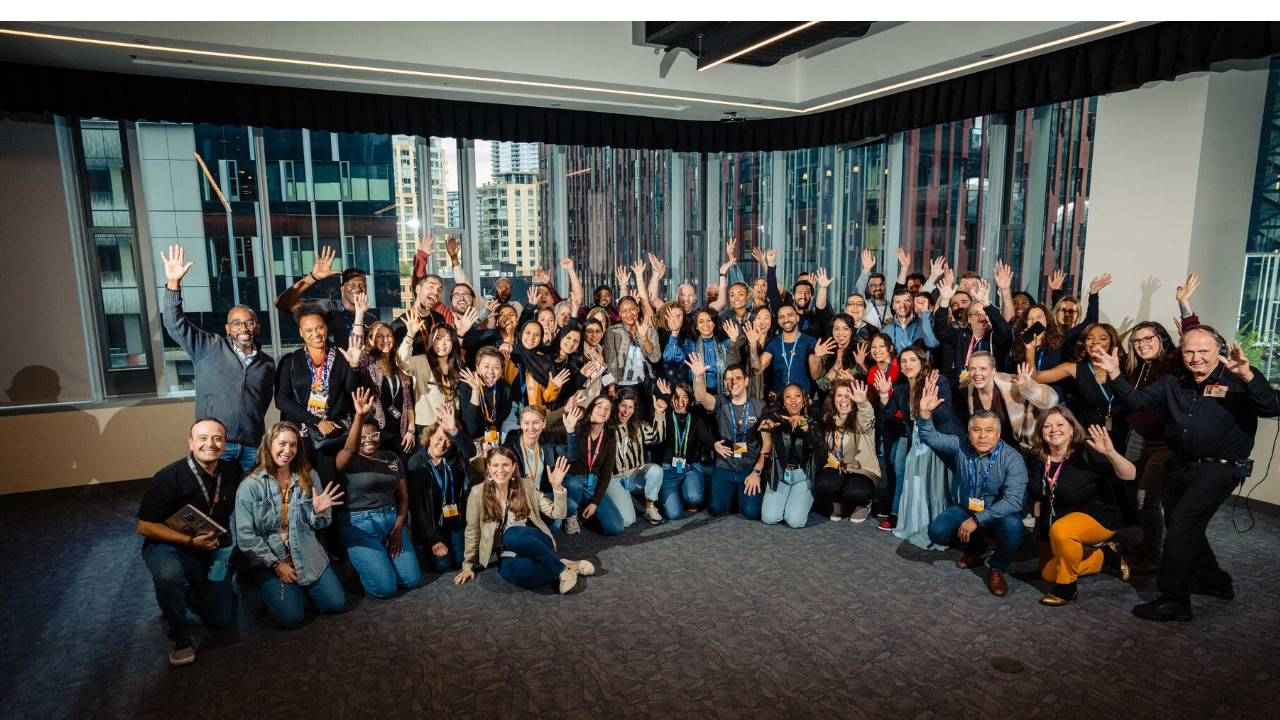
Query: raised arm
{"points": [[194, 341], [453, 248], [659, 269], [698, 369], [1004, 284], [291, 298], [771, 281], [731, 262], [363, 399], [940, 442]]}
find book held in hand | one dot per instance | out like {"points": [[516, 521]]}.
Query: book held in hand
{"points": [[191, 522]]}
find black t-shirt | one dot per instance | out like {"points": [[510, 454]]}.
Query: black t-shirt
{"points": [[399, 329], [372, 482], [175, 487]]}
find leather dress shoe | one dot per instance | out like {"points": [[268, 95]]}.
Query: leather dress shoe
{"points": [[996, 583], [969, 561], [1060, 595], [1162, 610]]}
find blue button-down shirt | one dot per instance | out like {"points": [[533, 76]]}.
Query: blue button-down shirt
{"points": [[1004, 489]]}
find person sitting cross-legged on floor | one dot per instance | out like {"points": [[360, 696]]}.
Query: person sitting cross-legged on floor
{"points": [[991, 483]]}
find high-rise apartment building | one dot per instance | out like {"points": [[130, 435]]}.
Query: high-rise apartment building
{"points": [[508, 221], [506, 157], [405, 183], [452, 209]]}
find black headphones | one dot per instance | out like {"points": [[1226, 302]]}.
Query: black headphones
{"points": [[1223, 349]]}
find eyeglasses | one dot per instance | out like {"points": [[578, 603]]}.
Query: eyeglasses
{"points": [[1144, 340], [246, 324], [370, 436]]}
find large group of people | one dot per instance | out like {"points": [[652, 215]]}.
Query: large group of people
{"points": [[480, 433]]}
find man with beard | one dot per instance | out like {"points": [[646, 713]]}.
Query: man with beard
{"points": [[235, 379], [427, 306], [811, 321], [339, 317], [796, 357], [872, 287]]}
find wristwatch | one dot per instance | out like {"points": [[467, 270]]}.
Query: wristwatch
{"points": [[755, 471], [275, 563]]}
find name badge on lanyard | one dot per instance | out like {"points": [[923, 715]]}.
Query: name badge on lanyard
{"points": [[1215, 391], [977, 504]]}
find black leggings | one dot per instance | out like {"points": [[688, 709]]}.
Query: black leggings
{"points": [[850, 489]]}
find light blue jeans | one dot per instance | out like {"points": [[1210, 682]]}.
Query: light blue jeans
{"points": [[790, 501], [645, 480], [362, 533], [246, 456]]}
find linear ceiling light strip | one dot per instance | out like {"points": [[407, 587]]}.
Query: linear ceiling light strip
{"points": [[761, 44]]}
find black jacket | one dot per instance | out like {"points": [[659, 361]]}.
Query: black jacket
{"points": [[293, 388], [701, 441], [474, 423], [812, 450], [426, 497]]}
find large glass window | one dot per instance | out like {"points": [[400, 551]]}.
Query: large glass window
{"points": [[943, 183], [746, 182], [1260, 300], [866, 177], [810, 210], [513, 242]]}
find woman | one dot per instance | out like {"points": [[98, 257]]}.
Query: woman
{"points": [[380, 371], [745, 350], [536, 450], [855, 306], [631, 474], [738, 296], [629, 346], [1014, 400], [1093, 399], [1152, 355], [891, 437], [313, 386], [848, 482], [683, 455], [568, 357], [1076, 497], [547, 320], [675, 345], [435, 374], [373, 528], [713, 344], [286, 559], [564, 312], [590, 474], [528, 371], [438, 485], [504, 515], [847, 360], [799, 450], [601, 318], [984, 328], [923, 479]]}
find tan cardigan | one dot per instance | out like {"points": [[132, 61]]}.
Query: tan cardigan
{"points": [[480, 533], [863, 440], [1022, 403]]}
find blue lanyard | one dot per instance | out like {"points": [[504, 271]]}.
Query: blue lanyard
{"points": [[739, 427], [990, 466], [789, 357], [682, 441], [897, 328], [1105, 395], [1039, 359], [447, 490]]}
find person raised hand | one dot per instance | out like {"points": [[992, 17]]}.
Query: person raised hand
{"points": [[860, 354], [937, 267], [984, 292], [659, 267], [929, 400], [771, 257], [1056, 278], [362, 399], [561, 378], [572, 414], [323, 266], [471, 378], [465, 321], [360, 304], [731, 330], [542, 275], [427, 245], [696, 365], [823, 348], [659, 406], [322, 501], [824, 280], [353, 351], [492, 305], [664, 387], [1100, 440], [758, 255], [1096, 284], [451, 247], [1004, 276], [752, 332], [904, 260], [859, 392], [670, 318], [567, 264], [884, 385], [590, 368], [868, 261], [1025, 374], [174, 267], [532, 295], [623, 275], [412, 322], [556, 473], [946, 291], [1183, 294], [1109, 362], [638, 268], [447, 418], [1237, 363]]}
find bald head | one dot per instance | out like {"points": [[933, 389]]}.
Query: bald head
{"points": [[206, 441]]}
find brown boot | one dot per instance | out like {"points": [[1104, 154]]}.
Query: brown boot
{"points": [[996, 583], [969, 561]]}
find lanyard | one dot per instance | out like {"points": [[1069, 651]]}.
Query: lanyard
{"points": [[986, 475], [447, 490], [1051, 482], [484, 405], [897, 328], [593, 454], [682, 440], [1039, 359], [285, 500], [204, 489], [739, 426], [425, 332], [320, 373], [532, 464], [1105, 395], [788, 356], [975, 343]]}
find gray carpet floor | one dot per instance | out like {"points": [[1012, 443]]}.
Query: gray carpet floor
{"points": [[699, 618]]}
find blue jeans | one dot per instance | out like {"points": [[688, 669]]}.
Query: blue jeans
{"points": [[725, 483], [790, 501], [245, 455], [287, 610], [897, 460], [607, 520], [681, 488], [362, 533], [1006, 531], [177, 573], [452, 560], [535, 563]]}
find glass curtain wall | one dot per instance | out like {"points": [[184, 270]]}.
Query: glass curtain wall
{"points": [[1259, 326], [746, 205]]}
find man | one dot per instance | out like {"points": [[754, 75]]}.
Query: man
{"points": [[872, 286], [1211, 408], [910, 326], [428, 307], [340, 317], [991, 484], [235, 379], [812, 321], [978, 327], [742, 450], [183, 566], [794, 351]]}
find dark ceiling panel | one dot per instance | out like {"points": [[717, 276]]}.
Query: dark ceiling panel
{"points": [[711, 41]]}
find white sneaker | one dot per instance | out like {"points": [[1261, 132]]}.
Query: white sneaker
{"points": [[835, 518], [860, 514], [652, 515], [582, 567], [571, 525], [568, 579]]}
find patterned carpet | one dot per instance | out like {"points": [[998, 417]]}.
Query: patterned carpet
{"points": [[701, 618]]}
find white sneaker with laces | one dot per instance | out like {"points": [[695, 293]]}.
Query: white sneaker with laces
{"points": [[568, 579], [571, 525], [652, 515], [582, 567]]}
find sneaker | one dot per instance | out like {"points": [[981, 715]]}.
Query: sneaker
{"points": [[582, 567], [571, 525], [860, 514], [835, 518], [182, 652], [652, 515], [885, 525], [568, 579]]}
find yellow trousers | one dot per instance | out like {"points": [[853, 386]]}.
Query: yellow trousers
{"points": [[1068, 537]]}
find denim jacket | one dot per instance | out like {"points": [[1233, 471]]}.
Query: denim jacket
{"points": [[257, 520]]}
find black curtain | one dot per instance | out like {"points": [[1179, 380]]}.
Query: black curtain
{"points": [[1120, 62]]}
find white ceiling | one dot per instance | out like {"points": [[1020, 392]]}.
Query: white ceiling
{"points": [[594, 57]]}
